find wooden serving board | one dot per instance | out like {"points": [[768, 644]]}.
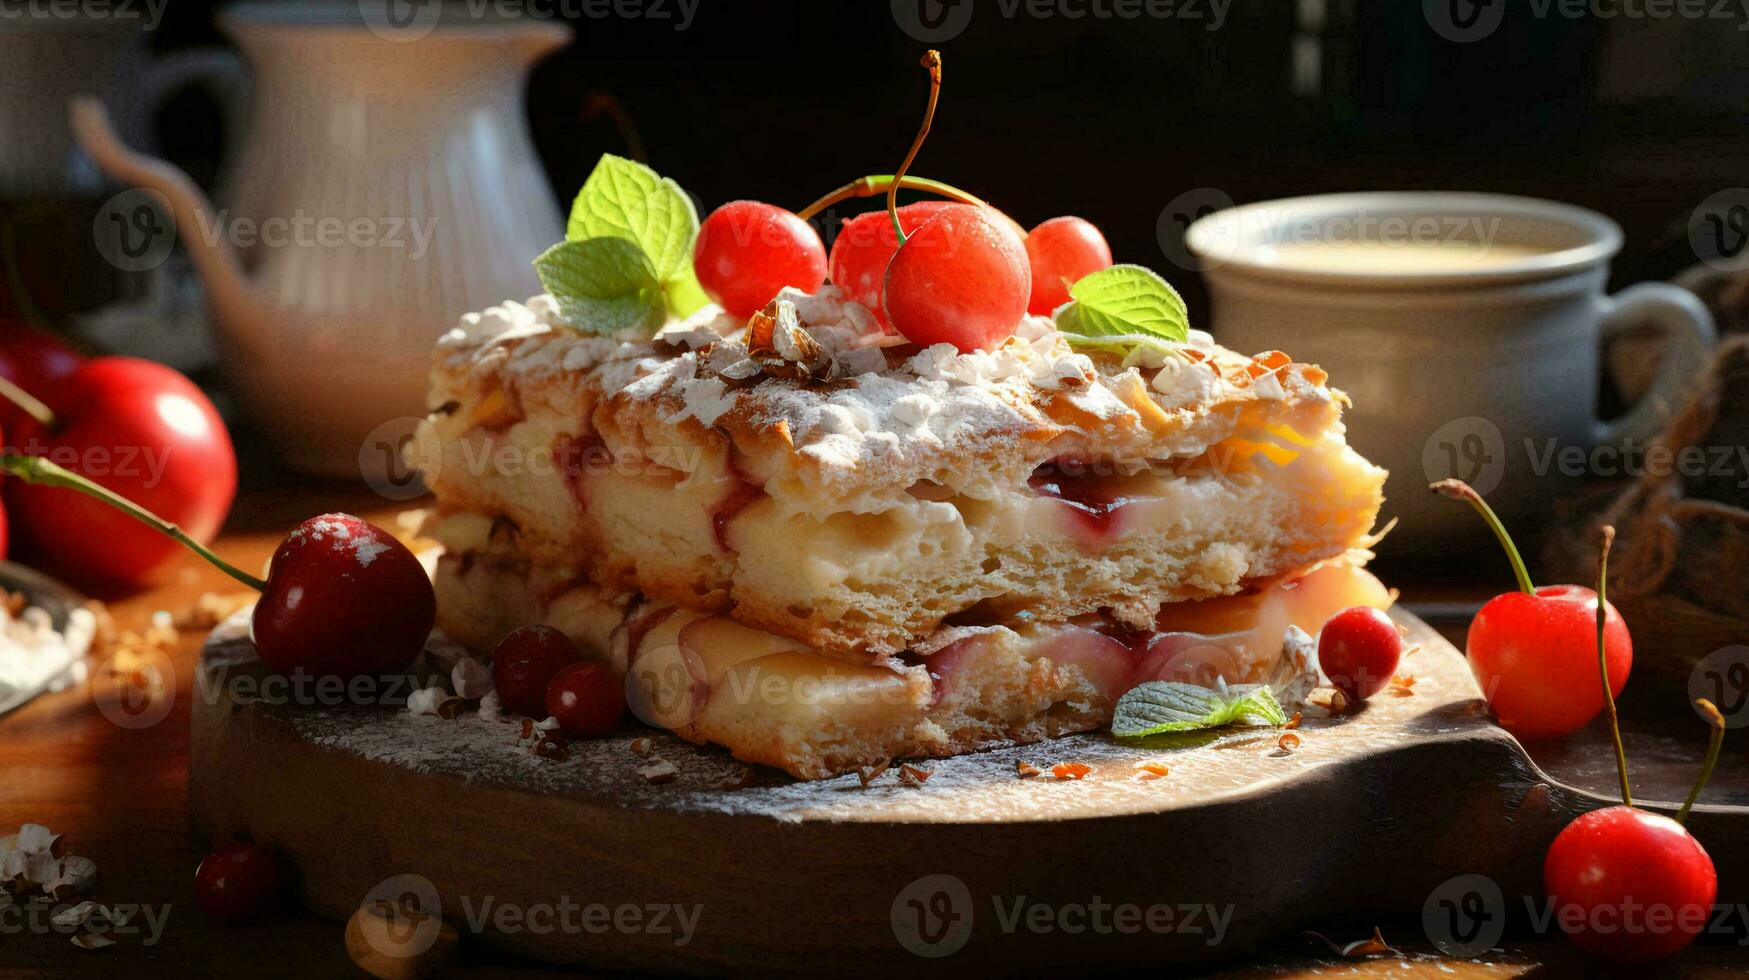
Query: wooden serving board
{"points": [[1370, 814]]}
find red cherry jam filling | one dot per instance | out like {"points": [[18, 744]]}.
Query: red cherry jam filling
{"points": [[577, 458], [1092, 492], [742, 492]]}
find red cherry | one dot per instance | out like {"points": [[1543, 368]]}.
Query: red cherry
{"points": [[1358, 650], [587, 698], [144, 431], [524, 665], [238, 883], [1535, 657], [1061, 251], [747, 251], [1534, 651], [1629, 885], [864, 247], [343, 599], [34, 361], [961, 279]]}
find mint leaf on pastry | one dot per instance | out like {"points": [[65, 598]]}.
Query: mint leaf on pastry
{"points": [[1123, 307], [604, 285], [1157, 707]]}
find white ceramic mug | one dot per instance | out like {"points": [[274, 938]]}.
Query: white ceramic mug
{"points": [[1479, 362]]}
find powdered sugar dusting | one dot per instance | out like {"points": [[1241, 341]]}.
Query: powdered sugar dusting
{"points": [[818, 369], [366, 550]]}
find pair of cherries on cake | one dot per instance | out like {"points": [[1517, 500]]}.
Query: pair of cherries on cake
{"points": [[956, 272]]}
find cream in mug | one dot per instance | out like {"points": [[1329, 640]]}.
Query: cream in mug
{"points": [[1392, 257]]}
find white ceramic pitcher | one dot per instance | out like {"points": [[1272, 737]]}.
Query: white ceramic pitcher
{"points": [[388, 185]]}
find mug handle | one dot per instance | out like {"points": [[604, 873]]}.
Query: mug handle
{"points": [[1688, 332]]}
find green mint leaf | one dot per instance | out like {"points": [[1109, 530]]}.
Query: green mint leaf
{"points": [[1135, 347], [625, 199], [1111, 308], [604, 285], [685, 295], [1157, 707]]}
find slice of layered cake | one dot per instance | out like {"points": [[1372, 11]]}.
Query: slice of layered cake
{"points": [[949, 485], [820, 547]]}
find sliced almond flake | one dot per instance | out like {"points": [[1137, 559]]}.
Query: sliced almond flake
{"points": [[911, 775], [1025, 770], [1329, 699], [868, 774], [1295, 721], [41, 869], [1287, 742], [659, 771], [548, 747], [76, 915], [78, 874], [92, 940], [470, 678], [451, 707], [1071, 770], [34, 838], [641, 746]]}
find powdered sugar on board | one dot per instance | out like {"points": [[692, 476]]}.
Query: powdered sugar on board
{"points": [[983, 787]]}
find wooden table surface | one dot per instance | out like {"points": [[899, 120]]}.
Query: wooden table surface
{"points": [[119, 795]]}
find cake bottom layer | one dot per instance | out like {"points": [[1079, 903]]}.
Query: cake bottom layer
{"points": [[772, 700]]}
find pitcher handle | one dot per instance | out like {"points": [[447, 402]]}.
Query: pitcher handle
{"points": [[1688, 332], [218, 72]]}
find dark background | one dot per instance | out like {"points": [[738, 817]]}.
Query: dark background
{"points": [[1113, 118]]}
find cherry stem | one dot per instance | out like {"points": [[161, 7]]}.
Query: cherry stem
{"points": [[875, 184], [1621, 755], [35, 469], [1715, 741], [27, 403], [1459, 490], [932, 63]]}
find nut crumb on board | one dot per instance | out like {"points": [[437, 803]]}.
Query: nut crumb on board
{"points": [[911, 775], [868, 774]]}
